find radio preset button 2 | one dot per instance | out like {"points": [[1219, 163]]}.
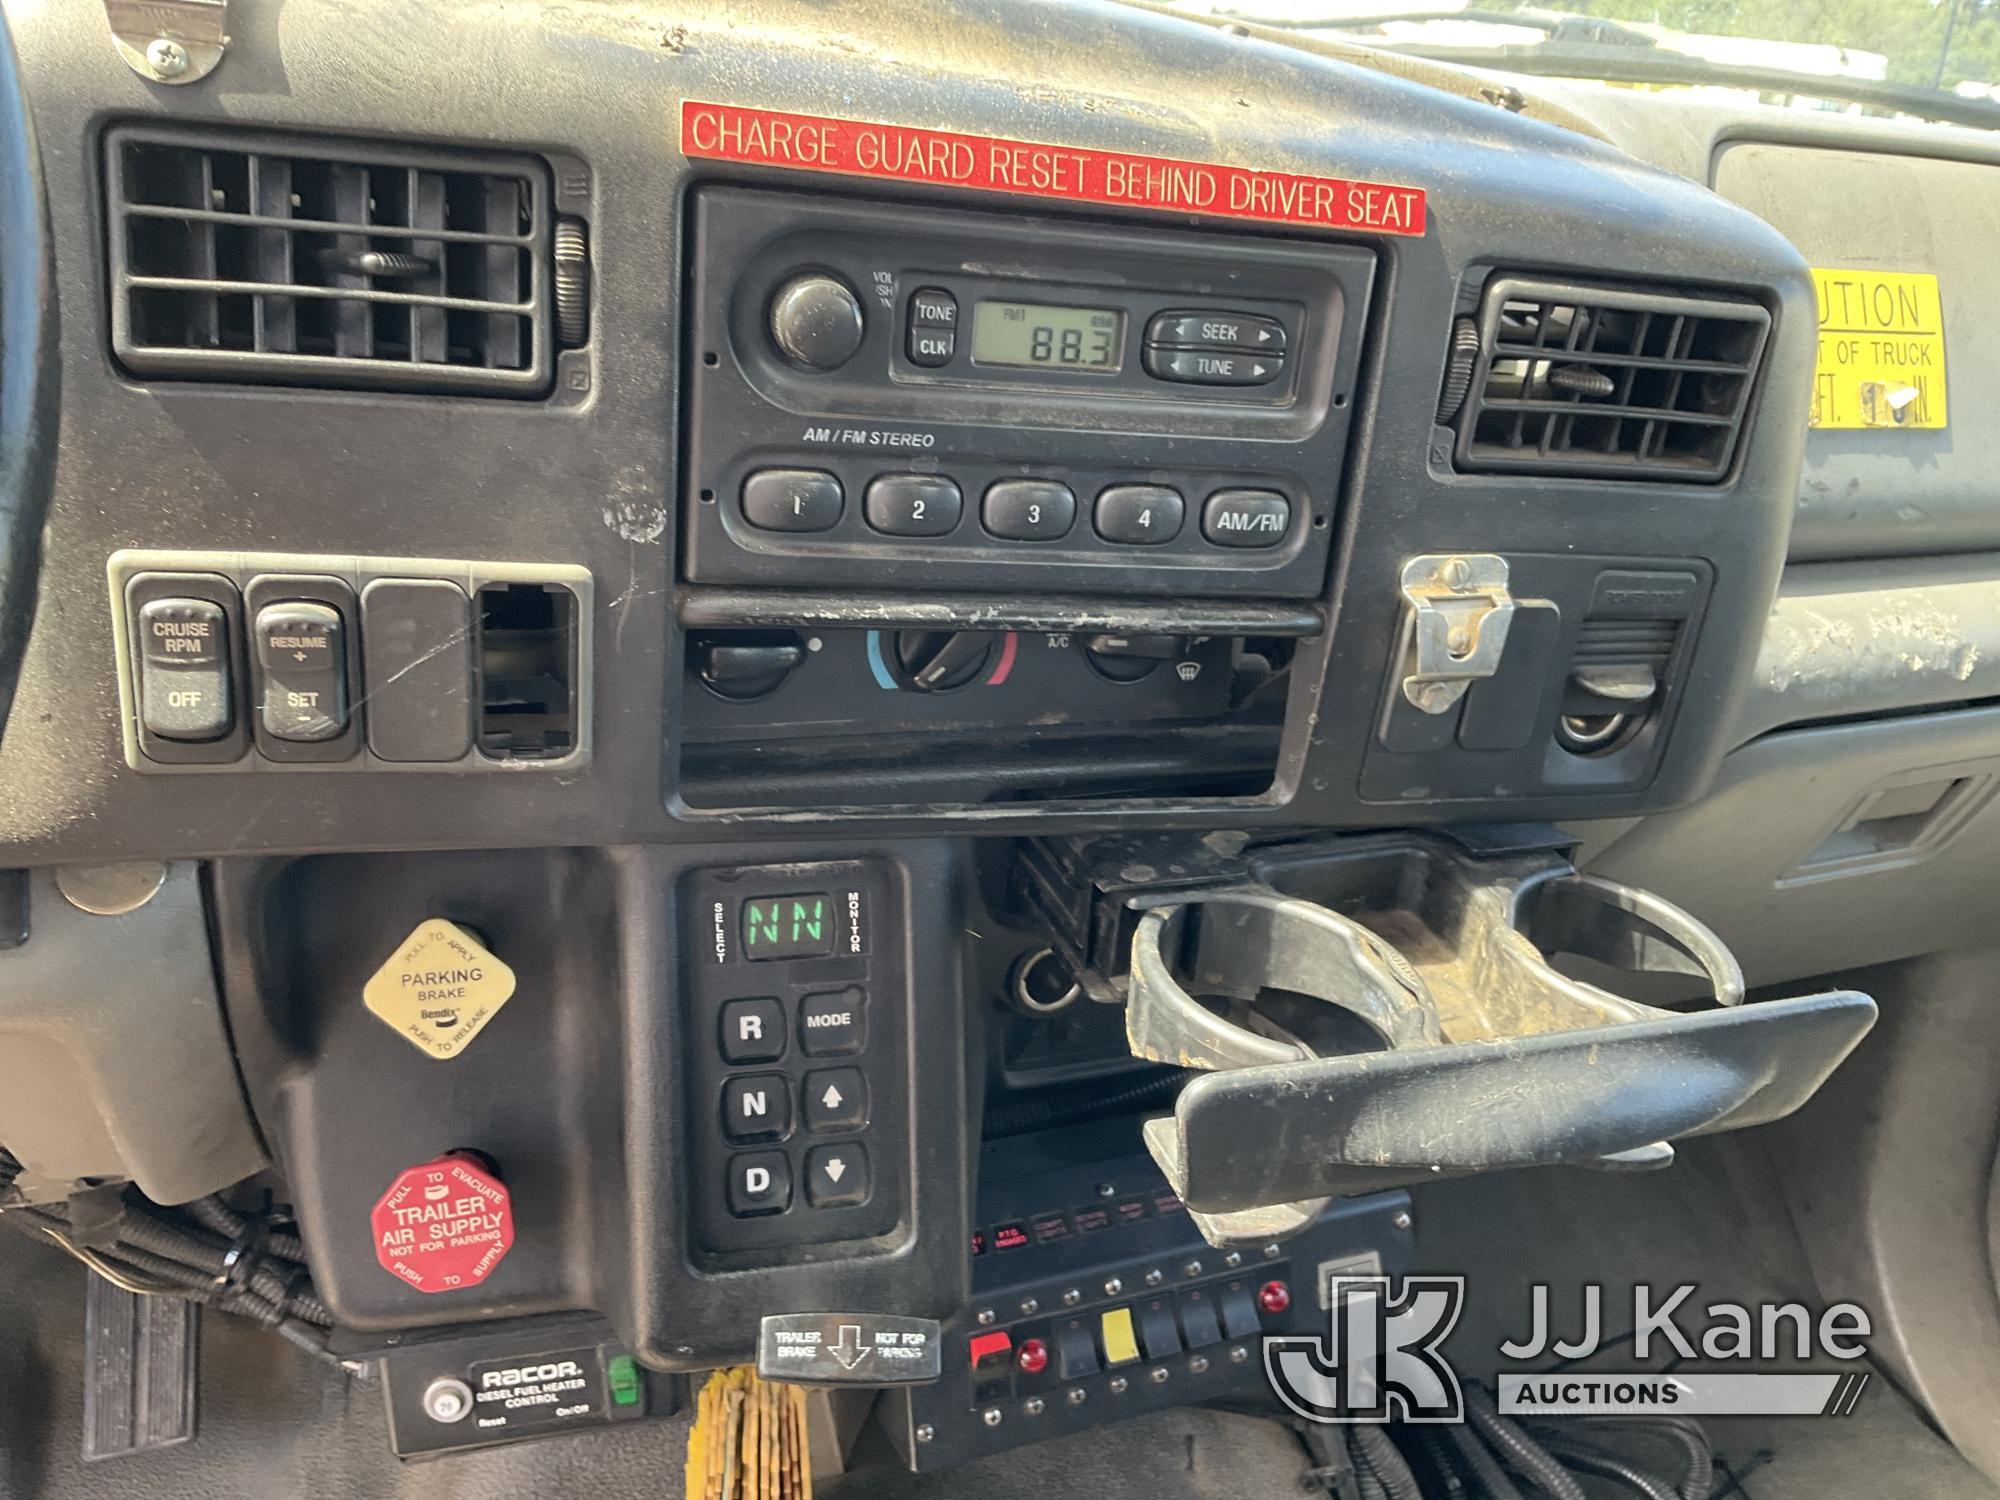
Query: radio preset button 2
{"points": [[933, 307], [792, 500], [1028, 510], [913, 504], [1217, 328], [1216, 367], [1140, 514], [1246, 518]]}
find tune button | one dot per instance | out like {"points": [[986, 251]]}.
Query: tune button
{"points": [[1140, 514], [1028, 510]]}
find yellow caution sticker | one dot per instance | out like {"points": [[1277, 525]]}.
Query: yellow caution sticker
{"points": [[1881, 350], [439, 989]]}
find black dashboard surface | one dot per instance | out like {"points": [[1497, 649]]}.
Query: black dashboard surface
{"points": [[590, 480]]}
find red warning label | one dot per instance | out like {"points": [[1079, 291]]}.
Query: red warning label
{"points": [[443, 1226], [990, 164]]}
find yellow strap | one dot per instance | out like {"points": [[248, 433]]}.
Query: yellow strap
{"points": [[748, 1440]]}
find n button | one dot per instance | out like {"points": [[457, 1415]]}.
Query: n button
{"points": [[757, 1108]]}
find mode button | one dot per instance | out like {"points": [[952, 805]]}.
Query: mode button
{"points": [[833, 1023]]}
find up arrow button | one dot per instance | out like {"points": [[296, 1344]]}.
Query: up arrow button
{"points": [[836, 1099]]}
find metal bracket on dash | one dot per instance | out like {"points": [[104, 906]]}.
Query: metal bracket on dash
{"points": [[1460, 612], [169, 41]]}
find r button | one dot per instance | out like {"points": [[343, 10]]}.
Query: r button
{"points": [[833, 1024], [753, 1031]]}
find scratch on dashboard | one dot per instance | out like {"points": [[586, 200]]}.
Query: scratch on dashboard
{"points": [[1828, 653]]}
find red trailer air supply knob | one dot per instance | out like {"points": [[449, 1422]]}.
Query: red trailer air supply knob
{"points": [[443, 1226]]}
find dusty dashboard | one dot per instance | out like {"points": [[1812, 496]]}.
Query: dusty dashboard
{"points": [[651, 533]]}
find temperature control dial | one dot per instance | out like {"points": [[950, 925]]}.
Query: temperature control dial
{"points": [[936, 661]]}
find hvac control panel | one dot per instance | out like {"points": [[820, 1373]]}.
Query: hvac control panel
{"points": [[1095, 1298], [881, 394], [796, 1036]]}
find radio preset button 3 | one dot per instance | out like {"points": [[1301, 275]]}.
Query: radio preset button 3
{"points": [[1028, 510], [1140, 514], [792, 500], [913, 504]]}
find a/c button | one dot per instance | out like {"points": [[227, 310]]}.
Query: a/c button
{"points": [[834, 1023]]}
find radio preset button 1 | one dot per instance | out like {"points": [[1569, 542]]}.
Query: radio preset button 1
{"points": [[1140, 514], [1205, 367], [1246, 518], [792, 500], [933, 307], [1028, 510], [913, 504], [1217, 328]]}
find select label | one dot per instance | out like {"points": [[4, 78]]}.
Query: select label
{"points": [[1034, 169]]}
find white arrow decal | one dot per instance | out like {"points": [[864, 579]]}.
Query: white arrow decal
{"points": [[1263, 335], [836, 1168], [847, 1348], [831, 1098]]}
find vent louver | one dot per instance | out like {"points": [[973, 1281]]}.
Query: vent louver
{"points": [[1585, 380], [239, 256]]}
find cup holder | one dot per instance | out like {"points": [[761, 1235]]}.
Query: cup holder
{"points": [[1379, 1012]]}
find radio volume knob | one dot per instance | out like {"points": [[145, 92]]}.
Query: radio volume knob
{"points": [[816, 321]]}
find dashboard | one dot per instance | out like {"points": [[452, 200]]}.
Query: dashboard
{"points": [[736, 521]]}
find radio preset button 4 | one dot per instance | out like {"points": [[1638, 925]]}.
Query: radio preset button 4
{"points": [[1140, 514]]}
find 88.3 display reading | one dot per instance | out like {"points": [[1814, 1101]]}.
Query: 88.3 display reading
{"points": [[1041, 335], [788, 926]]}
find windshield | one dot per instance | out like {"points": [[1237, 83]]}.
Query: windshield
{"points": [[1937, 59]]}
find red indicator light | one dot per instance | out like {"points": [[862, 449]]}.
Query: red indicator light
{"points": [[1274, 1297], [1033, 1357]]}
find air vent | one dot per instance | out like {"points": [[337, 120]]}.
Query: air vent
{"points": [[1583, 380], [239, 256]]}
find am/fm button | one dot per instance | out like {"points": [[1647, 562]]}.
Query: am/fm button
{"points": [[1246, 518]]}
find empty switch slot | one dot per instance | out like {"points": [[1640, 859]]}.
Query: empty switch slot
{"points": [[527, 671]]}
